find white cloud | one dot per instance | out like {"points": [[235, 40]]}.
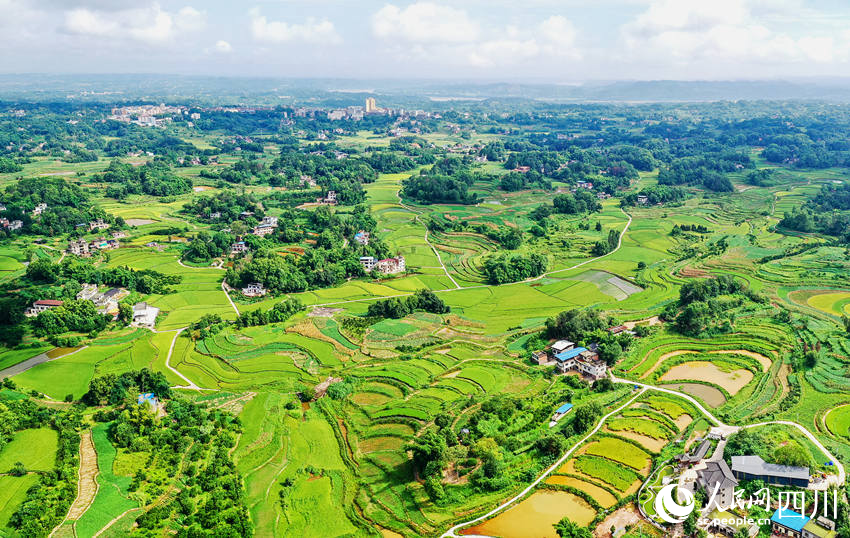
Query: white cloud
{"points": [[223, 46], [688, 31], [151, 25], [424, 22], [312, 30], [435, 33]]}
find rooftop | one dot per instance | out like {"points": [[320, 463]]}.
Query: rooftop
{"points": [[48, 302], [756, 466], [564, 408], [790, 519], [562, 344], [717, 471], [821, 532], [569, 354]]}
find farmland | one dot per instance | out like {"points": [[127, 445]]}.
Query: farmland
{"points": [[341, 401]]}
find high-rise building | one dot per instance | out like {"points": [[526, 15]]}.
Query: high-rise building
{"points": [[370, 105]]}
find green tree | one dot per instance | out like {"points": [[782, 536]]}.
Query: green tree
{"points": [[568, 529]]}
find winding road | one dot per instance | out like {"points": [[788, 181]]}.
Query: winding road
{"points": [[189, 383], [725, 428], [451, 532]]}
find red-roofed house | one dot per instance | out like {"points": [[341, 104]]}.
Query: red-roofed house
{"points": [[40, 306]]}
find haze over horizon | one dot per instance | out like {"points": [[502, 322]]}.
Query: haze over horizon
{"points": [[471, 40]]}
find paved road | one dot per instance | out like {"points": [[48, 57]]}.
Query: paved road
{"points": [[189, 383], [229, 300], [22, 367], [451, 532]]}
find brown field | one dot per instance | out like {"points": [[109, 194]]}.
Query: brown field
{"points": [[732, 381]]}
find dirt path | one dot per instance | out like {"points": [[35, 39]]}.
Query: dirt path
{"points": [[437, 254], [224, 288], [87, 486], [189, 383]]}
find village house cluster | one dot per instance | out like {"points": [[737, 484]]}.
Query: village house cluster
{"points": [[8, 225], [567, 357], [83, 248], [147, 115], [387, 266], [699, 469], [144, 315]]}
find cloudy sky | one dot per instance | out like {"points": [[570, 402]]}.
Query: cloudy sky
{"points": [[540, 40]]}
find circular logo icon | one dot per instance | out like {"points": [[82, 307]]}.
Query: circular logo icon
{"points": [[667, 507]]}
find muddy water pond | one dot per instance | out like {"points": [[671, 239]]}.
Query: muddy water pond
{"points": [[535, 516]]}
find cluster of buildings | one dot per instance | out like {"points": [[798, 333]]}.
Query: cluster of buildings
{"points": [[82, 247], [355, 113], [12, 225], [361, 237], [39, 209], [145, 115], [387, 266], [106, 302], [8, 225], [265, 227], [567, 357], [719, 481]]}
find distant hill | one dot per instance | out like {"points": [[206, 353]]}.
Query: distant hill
{"points": [[340, 92]]}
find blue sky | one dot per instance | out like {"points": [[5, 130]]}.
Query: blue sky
{"points": [[534, 40]]}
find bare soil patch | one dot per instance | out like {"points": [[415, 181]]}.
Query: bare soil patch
{"points": [[624, 517], [323, 312], [732, 381]]}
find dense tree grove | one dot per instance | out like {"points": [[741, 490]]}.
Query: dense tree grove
{"points": [[48, 500], [154, 178], [656, 194], [112, 389], [502, 268], [281, 311], [396, 307], [576, 325], [705, 305], [67, 206]]}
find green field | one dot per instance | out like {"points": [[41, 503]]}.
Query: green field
{"points": [[20, 449], [362, 413]]}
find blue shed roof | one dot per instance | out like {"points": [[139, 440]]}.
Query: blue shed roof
{"points": [[564, 408], [569, 354], [790, 518]]}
